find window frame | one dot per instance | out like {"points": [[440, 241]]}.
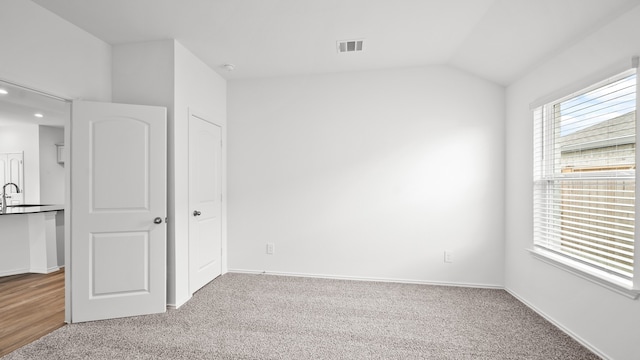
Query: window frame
{"points": [[628, 288]]}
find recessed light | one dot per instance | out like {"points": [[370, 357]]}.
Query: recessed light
{"points": [[3, 92], [38, 115]]}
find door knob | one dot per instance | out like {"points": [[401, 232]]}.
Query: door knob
{"points": [[157, 220], [196, 213]]}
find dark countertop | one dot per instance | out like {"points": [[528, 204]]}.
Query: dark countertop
{"points": [[31, 209]]}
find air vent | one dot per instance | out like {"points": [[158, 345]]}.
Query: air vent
{"points": [[345, 46]]}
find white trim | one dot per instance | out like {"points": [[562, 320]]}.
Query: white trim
{"points": [[39, 92], [30, 270], [562, 328], [586, 272], [14, 272], [636, 247], [67, 217], [178, 304], [49, 270], [358, 278]]}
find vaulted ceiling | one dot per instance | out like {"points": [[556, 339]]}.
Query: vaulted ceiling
{"points": [[498, 40]]}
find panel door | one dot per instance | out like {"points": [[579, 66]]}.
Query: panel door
{"points": [[118, 207], [205, 202]]}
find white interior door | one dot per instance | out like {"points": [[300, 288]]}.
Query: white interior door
{"points": [[205, 202], [118, 207], [12, 171]]}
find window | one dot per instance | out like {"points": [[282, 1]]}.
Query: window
{"points": [[585, 179]]}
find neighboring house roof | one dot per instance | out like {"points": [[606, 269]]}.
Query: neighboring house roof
{"points": [[620, 130]]}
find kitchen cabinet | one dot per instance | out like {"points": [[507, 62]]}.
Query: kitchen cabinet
{"points": [[32, 246]]}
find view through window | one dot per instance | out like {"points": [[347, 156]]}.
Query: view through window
{"points": [[584, 169]]}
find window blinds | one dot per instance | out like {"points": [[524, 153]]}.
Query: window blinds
{"points": [[584, 175]]}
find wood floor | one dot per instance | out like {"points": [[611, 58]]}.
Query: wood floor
{"points": [[31, 306]]}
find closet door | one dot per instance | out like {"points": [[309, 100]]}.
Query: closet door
{"points": [[205, 202]]}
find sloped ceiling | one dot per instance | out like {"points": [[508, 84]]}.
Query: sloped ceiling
{"points": [[498, 40]]}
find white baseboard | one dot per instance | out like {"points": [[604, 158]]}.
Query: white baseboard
{"points": [[358, 278], [574, 336], [30, 271], [14, 272], [44, 270], [178, 304]]}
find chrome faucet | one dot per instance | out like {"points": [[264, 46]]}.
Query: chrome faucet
{"points": [[4, 195]]}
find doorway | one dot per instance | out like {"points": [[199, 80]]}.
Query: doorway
{"points": [[33, 130]]}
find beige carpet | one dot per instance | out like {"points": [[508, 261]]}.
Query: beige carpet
{"points": [[239, 316]]}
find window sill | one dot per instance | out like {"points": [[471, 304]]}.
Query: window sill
{"points": [[598, 277]]}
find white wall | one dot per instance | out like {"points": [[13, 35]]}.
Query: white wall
{"points": [[164, 73], [608, 322], [24, 138], [43, 176], [51, 172], [368, 175], [44, 52], [201, 91], [143, 73]]}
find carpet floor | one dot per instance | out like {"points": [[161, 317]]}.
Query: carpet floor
{"points": [[240, 316]]}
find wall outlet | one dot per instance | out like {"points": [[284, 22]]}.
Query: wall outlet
{"points": [[270, 248], [448, 257]]}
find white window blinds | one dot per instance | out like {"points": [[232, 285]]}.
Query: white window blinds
{"points": [[584, 176]]}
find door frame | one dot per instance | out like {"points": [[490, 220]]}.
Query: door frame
{"points": [[68, 270]]}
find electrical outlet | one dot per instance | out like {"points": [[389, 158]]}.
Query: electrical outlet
{"points": [[448, 257], [270, 248]]}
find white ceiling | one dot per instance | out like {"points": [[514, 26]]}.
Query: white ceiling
{"points": [[498, 40], [18, 107]]}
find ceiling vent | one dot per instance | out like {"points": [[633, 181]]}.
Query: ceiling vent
{"points": [[346, 46]]}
